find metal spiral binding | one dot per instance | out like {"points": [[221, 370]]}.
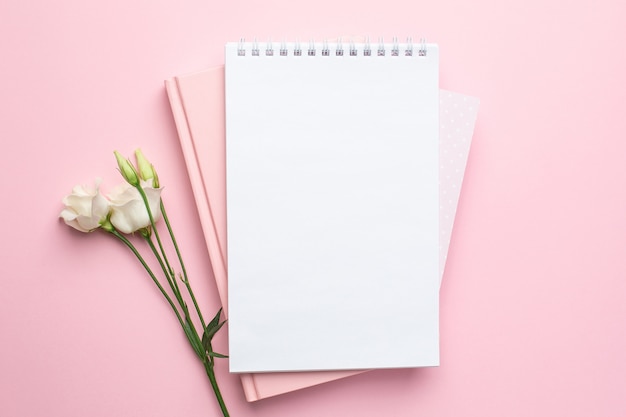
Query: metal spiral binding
{"points": [[269, 48], [255, 48], [409, 47], [381, 47], [353, 50], [325, 49], [241, 48], [422, 51], [339, 50], [367, 49], [394, 47]]}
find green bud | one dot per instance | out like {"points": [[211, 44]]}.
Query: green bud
{"points": [[146, 169], [127, 170], [107, 225], [155, 180], [146, 232]]}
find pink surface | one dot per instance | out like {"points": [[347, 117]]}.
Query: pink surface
{"points": [[533, 307]]}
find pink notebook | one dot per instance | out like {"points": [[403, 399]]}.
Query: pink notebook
{"points": [[197, 102]]}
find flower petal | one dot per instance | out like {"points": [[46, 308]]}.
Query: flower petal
{"points": [[85, 208], [128, 211]]}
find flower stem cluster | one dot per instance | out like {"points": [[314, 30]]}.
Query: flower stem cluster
{"points": [[136, 206]]}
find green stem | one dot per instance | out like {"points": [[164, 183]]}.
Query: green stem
{"points": [[182, 265], [144, 197], [147, 268], [176, 290], [163, 256], [171, 282], [208, 366], [207, 360]]}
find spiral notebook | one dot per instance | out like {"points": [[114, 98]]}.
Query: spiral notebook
{"points": [[197, 103], [332, 173]]}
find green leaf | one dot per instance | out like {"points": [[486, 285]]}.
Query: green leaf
{"points": [[211, 332], [217, 355], [196, 344], [215, 321], [211, 329], [206, 343]]}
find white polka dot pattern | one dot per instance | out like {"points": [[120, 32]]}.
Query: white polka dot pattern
{"points": [[457, 115]]}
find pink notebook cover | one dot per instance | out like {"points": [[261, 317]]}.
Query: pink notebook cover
{"points": [[197, 102]]}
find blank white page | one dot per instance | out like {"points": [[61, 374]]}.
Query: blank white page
{"points": [[332, 208]]}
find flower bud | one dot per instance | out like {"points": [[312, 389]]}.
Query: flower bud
{"points": [[127, 170], [145, 167], [106, 224], [155, 180], [146, 232]]}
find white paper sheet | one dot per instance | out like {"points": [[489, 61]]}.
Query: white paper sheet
{"points": [[333, 210]]}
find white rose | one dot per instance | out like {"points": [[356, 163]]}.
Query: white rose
{"points": [[128, 212], [85, 208]]}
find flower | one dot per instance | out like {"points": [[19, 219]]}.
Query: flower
{"points": [[128, 211], [134, 206], [85, 208]]}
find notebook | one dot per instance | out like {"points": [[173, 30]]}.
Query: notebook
{"points": [[332, 182], [197, 102]]}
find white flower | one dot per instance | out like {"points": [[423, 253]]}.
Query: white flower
{"points": [[128, 212], [85, 208]]}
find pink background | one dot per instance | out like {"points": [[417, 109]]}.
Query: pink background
{"points": [[533, 302]]}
